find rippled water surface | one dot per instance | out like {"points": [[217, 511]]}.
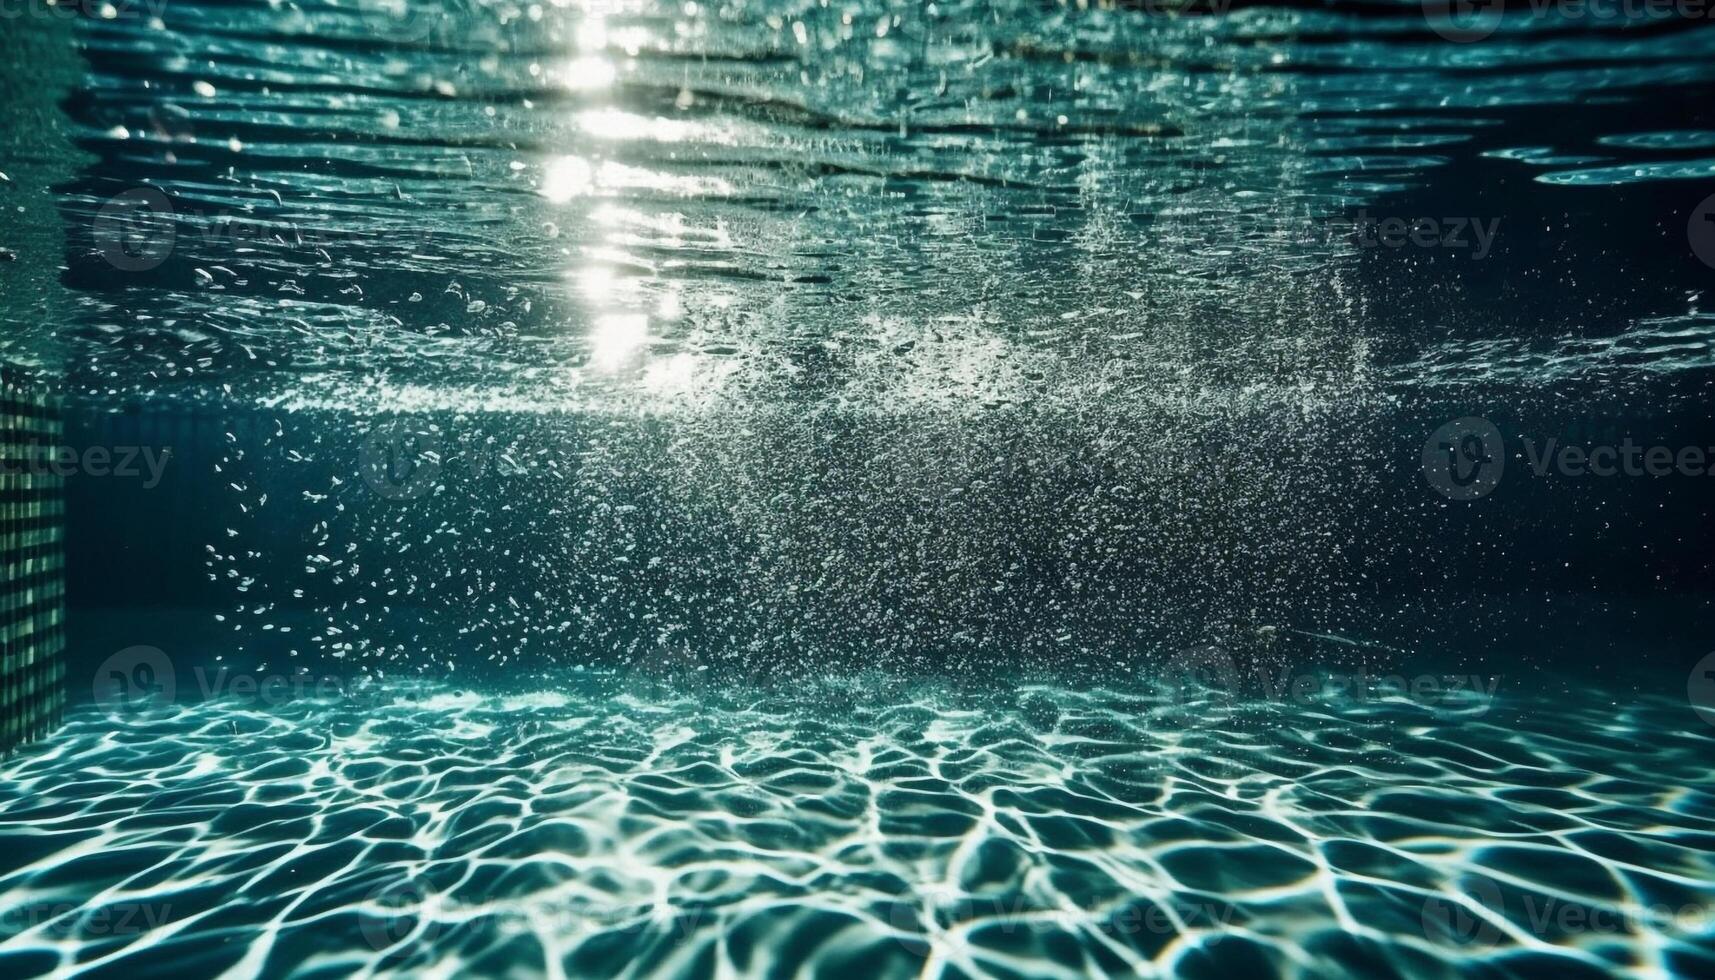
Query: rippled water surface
{"points": [[893, 206], [865, 827], [752, 474]]}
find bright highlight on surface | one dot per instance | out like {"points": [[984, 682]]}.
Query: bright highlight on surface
{"points": [[583, 74], [566, 178], [617, 336]]}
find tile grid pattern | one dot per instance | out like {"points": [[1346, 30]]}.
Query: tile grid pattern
{"points": [[32, 560]]}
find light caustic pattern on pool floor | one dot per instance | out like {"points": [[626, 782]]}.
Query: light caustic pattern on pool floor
{"points": [[862, 829]]}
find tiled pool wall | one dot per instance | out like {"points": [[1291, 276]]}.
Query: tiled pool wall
{"points": [[32, 559]]}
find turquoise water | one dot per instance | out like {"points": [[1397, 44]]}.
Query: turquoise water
{"points": [[861, 489], [639, 207], [866, 826]]}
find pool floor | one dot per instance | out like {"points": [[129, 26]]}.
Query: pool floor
{"points": [[863, 828]]}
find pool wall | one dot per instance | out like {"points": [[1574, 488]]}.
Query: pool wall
{"points": [[32, 559]]}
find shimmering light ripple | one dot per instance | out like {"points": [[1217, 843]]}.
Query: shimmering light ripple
{"points": [[865, 827], [593, 206]]}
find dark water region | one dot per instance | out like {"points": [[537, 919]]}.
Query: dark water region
{"points": [[753, 545], [869, 489]]}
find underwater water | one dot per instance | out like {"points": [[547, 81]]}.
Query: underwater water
{"points": [[863, 827], [858, 488]]}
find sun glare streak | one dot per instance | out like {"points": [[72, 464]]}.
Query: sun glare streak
{"points": [[616, 338], [588, 73], [566, 178]]}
